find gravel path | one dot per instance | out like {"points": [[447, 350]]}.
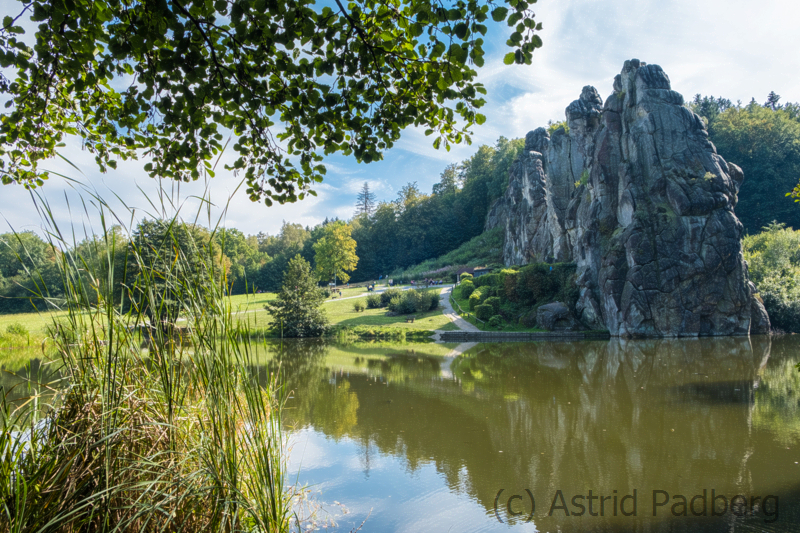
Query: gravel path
{"points": [[450, 313]]}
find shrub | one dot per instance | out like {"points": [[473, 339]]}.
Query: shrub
{"points": [[784, 314], [542, 283], [529, 319], [327, 293], [484, 312], [496, 322], [474, 299], [413, 301], [488, 280], [510, 285], [17, 329], [408, 305], [466, 276], [535, 283], [494, 301], [374, 301], [388, 295], [434, 304], [359, 306], [773, 260], [466, 289]]}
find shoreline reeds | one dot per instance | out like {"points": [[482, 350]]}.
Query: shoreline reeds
{"points": [[159, 427]]}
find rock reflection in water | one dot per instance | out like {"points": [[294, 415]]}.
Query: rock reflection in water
{"points": [[678, 416]]}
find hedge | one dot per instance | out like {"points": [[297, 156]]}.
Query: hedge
{"points": [[492, 280], [474, 299], [484, 312], [494, 301], [466, 289]]}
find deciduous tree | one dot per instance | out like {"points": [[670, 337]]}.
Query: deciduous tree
{"points": [[336, 252], [287, 81]]}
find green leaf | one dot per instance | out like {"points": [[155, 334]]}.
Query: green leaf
{"points": [[499, 14], [508, 59]]}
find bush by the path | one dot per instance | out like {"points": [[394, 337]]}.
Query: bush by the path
{"points": [[466, 288], [494, 301], [374, 301], [484, 312], [413, 301], [514, 293], [388, 294], [474, 300]]}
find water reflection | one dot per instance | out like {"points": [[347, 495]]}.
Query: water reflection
{"points": [[426, 435], [676, 416]]}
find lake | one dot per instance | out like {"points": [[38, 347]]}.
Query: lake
{"points": [[600, 436], [644, 435]]}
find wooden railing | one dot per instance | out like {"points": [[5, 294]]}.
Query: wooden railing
{"points": [[463, 313]]}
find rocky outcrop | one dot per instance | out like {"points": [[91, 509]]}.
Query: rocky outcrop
{"points": [[635, 194], [555, 316]]}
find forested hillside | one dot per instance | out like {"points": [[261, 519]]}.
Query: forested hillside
{"points": [[763, 139], [390, 234]]}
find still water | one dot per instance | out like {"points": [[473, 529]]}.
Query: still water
{"points": [[605, 436], [648, 435]]}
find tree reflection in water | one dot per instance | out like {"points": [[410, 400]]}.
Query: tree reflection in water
{"points": [[679, 416]]}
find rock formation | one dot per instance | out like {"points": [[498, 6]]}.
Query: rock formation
{"points": [[635, 194]]}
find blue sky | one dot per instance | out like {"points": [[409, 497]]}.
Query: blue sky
{"points": [[730, 48]]}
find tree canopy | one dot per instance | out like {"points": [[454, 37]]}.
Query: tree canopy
{"points": [[296, 312], [336, 252], [288, 81], [765, 141]]}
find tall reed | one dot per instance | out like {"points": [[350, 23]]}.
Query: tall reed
{"points": [[163, 424]]}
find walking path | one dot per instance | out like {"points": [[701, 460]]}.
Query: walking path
{"points": [[450, 313]]}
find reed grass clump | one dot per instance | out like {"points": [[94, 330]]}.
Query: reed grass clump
{"points": [[162, 424]]}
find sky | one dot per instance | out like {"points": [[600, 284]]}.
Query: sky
{"points": [[729, 48]]}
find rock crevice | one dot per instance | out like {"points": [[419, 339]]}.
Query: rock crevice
{"points": [[635, 194]]}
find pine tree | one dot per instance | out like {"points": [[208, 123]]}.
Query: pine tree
{"points": [[772, 101], [365, 201], [296, 312]]}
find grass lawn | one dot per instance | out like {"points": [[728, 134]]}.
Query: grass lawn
{"points": [[244, 302], [34, 322], [341, 313], [251, 309]]}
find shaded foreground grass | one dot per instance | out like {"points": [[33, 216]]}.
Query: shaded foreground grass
{"points": [[167, 430]]}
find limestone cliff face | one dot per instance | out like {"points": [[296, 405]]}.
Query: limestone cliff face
{"points": [[636, 195]]}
